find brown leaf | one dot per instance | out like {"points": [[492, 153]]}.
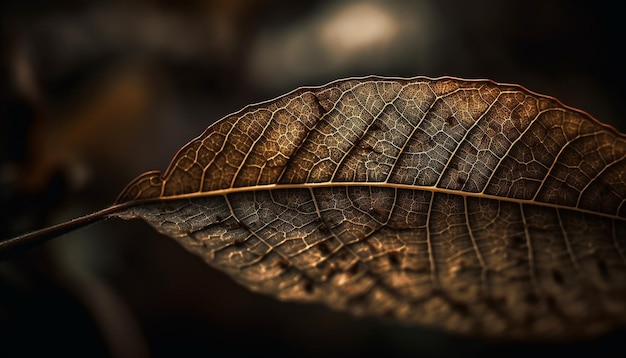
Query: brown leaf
{"points": [[467, 206]]}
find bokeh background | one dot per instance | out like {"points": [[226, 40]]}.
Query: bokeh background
{"points": [[94, 93]]}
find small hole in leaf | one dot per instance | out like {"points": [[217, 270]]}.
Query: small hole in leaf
{"points": [[283, 263], [354, 269], [394, 258], [308, 287], [323, 248]]}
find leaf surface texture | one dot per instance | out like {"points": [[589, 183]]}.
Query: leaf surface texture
{"points": [[462, 205]]}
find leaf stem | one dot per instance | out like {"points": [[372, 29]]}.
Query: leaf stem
{"points": [[15, 245]]}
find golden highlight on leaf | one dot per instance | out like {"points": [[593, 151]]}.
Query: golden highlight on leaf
{"points": [[463, 205]]}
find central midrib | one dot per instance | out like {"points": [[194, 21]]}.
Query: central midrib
{"points": [[432, 189]]}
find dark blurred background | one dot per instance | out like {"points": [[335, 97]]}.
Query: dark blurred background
{"points": [[94, 93]]}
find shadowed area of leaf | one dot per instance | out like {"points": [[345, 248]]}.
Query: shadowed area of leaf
{"points": [[463, 205]]}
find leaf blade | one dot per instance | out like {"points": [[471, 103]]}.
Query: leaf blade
{"points": [[506, 215]]}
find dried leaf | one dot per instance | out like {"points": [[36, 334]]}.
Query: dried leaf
{"points": [[463, 205]]}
